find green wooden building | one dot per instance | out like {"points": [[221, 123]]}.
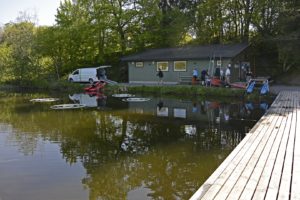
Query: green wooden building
{"points": [[177, 64]]}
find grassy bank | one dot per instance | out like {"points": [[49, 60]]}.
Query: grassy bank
{"points": [[171, 90], [182, 90]]}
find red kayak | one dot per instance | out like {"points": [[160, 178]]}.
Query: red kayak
{"points": [[216, 82], [96, 87], [99, 95], [240, 85]]}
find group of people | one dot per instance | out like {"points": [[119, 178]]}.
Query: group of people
{"points": [[204, 76]]}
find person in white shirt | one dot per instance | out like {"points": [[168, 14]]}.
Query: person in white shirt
{"points": [[227, 74], [222, 77]]}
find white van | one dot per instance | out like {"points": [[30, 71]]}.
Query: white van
{"points": [[90, 75]]}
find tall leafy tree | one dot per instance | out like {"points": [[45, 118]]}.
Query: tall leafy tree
{"points": [[92, 32], [123, 17], [144, 32], [20, 38], [50, 49], [209, 23], [177, 17], [71, 25], [6, 62], [288, 39]]}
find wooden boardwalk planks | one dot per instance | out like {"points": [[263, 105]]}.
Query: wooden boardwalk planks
{"points": [[295, 190], [266, 164], [263, 155]]}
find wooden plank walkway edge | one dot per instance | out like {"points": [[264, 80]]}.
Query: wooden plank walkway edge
{"points": [[266, 163]]}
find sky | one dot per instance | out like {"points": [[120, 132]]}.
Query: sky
{"points": [[45, 10]]}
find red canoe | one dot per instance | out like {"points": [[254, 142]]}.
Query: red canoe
{"points": [[95, 87]]}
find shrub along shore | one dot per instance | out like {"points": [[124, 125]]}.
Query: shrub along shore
{"points": [[183, 91], [173, 90]]}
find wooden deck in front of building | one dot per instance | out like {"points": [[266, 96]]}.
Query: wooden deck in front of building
{"points": [[266, 164]]}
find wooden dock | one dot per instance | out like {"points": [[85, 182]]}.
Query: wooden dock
{"points": [[266, 164]]}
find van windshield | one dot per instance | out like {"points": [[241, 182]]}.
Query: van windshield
{"points": [[76, 72]]}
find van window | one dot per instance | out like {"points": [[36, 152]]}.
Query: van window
{"points": [[76, 72]]}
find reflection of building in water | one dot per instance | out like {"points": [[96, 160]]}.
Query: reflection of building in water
{"points": [[213, 113], [209, 128], [190, 130], [171, 108], [195, 109], [162, 112], [179, 113], [160, 105]]}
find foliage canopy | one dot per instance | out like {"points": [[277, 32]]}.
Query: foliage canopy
{"points": [[93, 32]]}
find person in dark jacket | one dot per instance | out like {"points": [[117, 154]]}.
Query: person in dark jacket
{"points": [[160, 76], [203, 75]]}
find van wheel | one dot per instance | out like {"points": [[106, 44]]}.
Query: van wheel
{"points": [[71, 80], [91, 81]]}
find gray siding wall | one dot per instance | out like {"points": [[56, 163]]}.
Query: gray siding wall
{"points": [[148, 72]]}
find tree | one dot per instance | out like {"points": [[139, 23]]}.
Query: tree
{"points": [[209, 23], [20, 38], [5, 62], [288, 39], [93, 32], [50, 49], [177, 18]]}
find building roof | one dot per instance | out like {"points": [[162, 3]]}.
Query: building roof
{"points": [[188, 53]]}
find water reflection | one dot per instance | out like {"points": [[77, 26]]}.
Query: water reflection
{"points": [[91, 99], [160, 149]]}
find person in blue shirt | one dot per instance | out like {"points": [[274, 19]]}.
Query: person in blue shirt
{"points": [[195, 76], [195, 73]]}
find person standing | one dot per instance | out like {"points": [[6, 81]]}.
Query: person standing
{"points": [[195, 76], [203, 76], [248, 76], [160, 76], [222, 74], [227, 75]]}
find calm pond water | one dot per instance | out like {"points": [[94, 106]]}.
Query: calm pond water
{"points": [[164, 148]]}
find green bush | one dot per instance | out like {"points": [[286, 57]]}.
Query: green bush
{"points": [[185, 90]]}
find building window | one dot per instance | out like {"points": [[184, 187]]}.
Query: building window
{"points": [[180, 66], [139, 64], [164, 66]]}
